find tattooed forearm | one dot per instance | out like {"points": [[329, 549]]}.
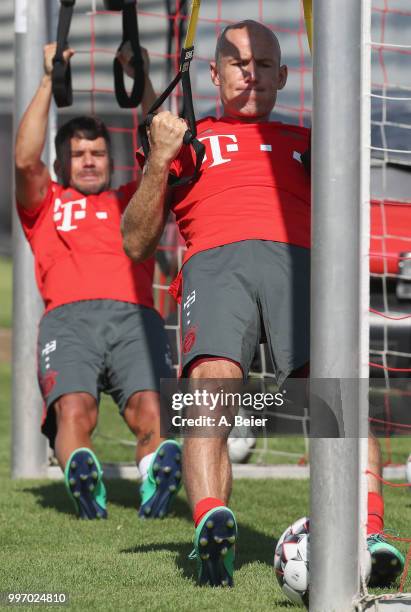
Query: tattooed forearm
{"points": [[146, 438]]}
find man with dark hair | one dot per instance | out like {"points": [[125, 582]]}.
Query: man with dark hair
{"points": [[89, 128], [100, 331], [246, 223]]}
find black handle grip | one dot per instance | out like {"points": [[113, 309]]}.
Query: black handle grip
{"points": [[188, 140], [136, 95], [61, 83], [131, 35], [188, 137], [199, 152], [61, 73]]}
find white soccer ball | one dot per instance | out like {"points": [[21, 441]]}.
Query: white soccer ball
{"points": [[291, 560], [408, 469], [239, 449]]}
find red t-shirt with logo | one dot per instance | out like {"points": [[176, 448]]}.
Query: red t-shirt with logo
{"points": [[252, 185], [78, 250]]}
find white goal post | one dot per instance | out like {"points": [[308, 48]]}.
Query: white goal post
{"points": [[29, 447], [339, 294]]}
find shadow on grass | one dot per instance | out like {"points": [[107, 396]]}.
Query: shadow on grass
{"points": [[125, 493], [252, 546], [122, 493], [53, 495]]}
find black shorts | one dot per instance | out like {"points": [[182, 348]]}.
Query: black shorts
{"points": [[239, 294], [97, 346]]}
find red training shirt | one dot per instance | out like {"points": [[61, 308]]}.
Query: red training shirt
{"points": [[78, 250], [252, 185]]}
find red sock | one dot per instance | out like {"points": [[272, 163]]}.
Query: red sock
{"points": [[205, 505], [375, 513]]}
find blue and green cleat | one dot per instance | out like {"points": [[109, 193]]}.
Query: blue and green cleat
{"points": [[161, 486], [387, 562], [83, 477], [214, 548]]}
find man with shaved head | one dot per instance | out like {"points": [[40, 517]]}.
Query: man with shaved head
{"points": [[246, 271]]}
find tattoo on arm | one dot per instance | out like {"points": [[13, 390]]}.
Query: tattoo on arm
{"points": [[146, 439]]}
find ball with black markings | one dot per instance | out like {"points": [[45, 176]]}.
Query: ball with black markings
{"points": [[291, 561]]}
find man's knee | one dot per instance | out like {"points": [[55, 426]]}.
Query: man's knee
{"points": [[217, 383], [78, 409], [209, 448], [216, 368], [142, 410]]}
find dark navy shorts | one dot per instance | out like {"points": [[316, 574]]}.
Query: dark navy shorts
{"points": [[97, 346], [240, 294]]}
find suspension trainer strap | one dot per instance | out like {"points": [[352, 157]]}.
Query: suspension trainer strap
{"points": [[177, 9], [131, 35], [61, 74], [188, 110], [308, 16]]}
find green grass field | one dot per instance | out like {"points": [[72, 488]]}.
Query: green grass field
{"points": [[5, 292], [128, 564]]}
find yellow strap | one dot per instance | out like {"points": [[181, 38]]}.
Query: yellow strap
{"points": [[308, 14], [192, 24]]}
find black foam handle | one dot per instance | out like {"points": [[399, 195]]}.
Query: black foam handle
{"points": [[131, 35], [61, 83], [199, 151], [142, 131], [136, 95], [61, 73], [188, 140]]}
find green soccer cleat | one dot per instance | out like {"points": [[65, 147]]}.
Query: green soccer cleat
{"points": [[387, 562], [83, 477], [214, 548], [163, 482]]}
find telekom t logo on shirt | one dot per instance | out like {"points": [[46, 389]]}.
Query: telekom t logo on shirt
{"points": [[215, 146], [74, 210], [67, 212]]}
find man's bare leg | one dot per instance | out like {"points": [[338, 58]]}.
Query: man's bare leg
{"points": [[374, 465], [207, 477], [158, 460], [76, 416], [142, 415], [206, 465], [206, 469], [387, 561]]}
